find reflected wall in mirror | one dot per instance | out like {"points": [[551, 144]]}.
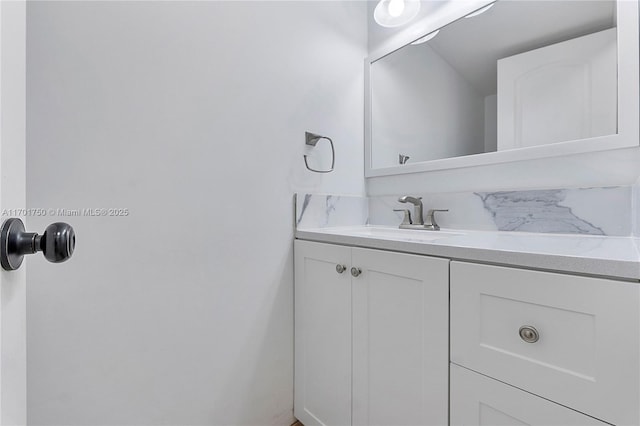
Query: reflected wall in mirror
{"points": [[520, 74]]}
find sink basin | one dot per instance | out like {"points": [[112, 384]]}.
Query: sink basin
{"points": [[388, 233]]}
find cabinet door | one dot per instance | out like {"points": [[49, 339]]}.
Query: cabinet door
{"points": [[400, 339], [322, 334], [479, 400]]}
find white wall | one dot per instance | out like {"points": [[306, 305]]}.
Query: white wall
{"points": [[491, 123], [635, 218], [192, 116]]}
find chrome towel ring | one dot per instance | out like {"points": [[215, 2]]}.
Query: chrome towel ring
{"points": [[312, 139]]}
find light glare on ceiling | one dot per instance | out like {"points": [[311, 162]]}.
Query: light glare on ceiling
{"points": [[395, 8], [394, 13]]}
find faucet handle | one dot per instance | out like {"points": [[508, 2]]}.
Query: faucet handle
{"points": [[406, 220], [431, 218]]}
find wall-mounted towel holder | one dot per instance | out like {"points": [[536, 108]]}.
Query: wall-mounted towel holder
{"points": [[312, 139]]}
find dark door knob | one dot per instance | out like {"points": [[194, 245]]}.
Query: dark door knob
{"points": [[57, 243]]}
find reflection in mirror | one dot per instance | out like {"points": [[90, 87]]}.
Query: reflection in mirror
{"points": [[520, 74]]}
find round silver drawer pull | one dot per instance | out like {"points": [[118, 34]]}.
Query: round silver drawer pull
{"points": [[355, 271], [340, 268], [529, 334]]}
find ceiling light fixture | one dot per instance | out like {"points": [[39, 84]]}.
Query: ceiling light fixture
{"points": [[479, 11], [394, 13], [426, 38]]}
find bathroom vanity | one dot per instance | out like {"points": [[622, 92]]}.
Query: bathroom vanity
{"points": [[414, 327], [465, 328]]}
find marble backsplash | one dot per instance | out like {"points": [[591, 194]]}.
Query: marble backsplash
{"points": [[324, 210], [589, 211]]}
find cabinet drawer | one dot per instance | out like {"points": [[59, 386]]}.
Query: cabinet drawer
{"points": [[479, 400], [586, 355]]}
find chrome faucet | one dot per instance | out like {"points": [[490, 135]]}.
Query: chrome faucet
{"points": [[418, 222], [417, 203]]}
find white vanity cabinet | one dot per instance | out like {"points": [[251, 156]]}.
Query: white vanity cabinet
{"points": [[371, 345], [569, 339]]}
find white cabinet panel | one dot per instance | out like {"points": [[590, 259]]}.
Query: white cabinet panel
{"points": [[400, 339], [322, 335], [587, 353], [558, 93], [479, 400], [394, 316]]}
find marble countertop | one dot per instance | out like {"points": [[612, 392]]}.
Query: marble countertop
{"points": [[617, 257]]}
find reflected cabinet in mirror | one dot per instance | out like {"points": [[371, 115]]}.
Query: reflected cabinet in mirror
{"points": [[512, 80]]}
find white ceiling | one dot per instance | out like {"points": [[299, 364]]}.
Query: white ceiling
{"points": [[473, 45]]}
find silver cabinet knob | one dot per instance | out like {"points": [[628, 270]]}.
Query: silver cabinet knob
{"points": [[355, 271], [340, 268], [529, 334]]}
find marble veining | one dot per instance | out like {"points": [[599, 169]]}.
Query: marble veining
{"points": [[324, 210], [535, 211], [303, 208]]}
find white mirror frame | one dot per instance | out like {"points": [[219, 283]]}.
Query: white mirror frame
{"points": [[628, 98]]}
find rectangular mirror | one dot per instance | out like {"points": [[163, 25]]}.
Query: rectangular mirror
{"points": [[510, 81]]}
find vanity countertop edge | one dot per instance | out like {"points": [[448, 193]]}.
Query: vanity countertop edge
{"points": [[612, 257]]}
